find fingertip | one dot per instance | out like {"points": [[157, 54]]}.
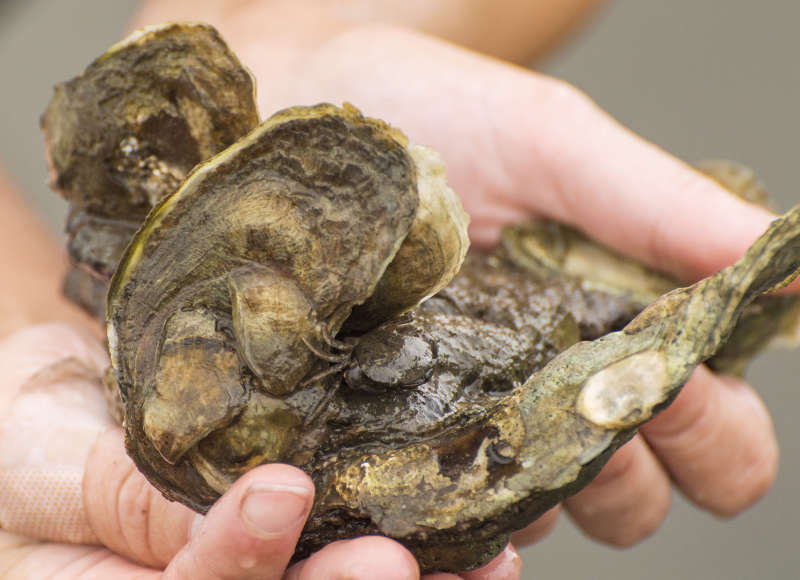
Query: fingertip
{"points": [[278, 474], [537, 530], [268, 503], [627, 501], [759, 469], [699, 247], [364, 558], [718, 442]]}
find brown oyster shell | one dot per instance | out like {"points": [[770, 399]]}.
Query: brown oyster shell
{"points": [[266, 310], [122, 136]]}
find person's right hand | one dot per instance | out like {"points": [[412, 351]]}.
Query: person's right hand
{"points": [[81, 509]]}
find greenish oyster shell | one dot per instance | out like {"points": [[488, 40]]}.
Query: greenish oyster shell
{"points": [[294, 298], [554, 251], [123, 135]]}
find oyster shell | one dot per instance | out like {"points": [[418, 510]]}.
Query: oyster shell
{"points": [[268, 309], [124, 134]]}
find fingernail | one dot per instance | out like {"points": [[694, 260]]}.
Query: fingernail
{"points": [[507, 565], [269, 510]]}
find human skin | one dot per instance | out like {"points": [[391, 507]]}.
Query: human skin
{"points": [[715, 443], [32, 271]]}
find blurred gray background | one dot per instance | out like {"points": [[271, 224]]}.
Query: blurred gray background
{"points": [[701, 78]]}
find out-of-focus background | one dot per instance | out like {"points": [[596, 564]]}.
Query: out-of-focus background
{"points": [[701, 78]]}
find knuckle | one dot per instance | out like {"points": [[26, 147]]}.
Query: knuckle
{"points": [[564, 97], [125, 512], [692, 187], [134, 515]]}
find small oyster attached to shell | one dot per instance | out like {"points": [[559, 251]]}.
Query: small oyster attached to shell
{"points": [[287, 299]]}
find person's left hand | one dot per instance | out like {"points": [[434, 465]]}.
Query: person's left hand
{"points": [[75, 506]]}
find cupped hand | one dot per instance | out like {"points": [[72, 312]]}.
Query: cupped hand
{"points": [[75, 506], [520, 145]]}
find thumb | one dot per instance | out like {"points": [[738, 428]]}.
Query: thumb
{"points": [[251, 531]]}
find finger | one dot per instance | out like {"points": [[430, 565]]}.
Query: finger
{"points": [[126, 513], [22, 558], [507, 565], [251, 531], [517, 143], [666, 202], [627, 501], [718, 443], [365, 558], [537, 530]]}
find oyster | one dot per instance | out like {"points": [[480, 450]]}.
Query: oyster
{"points": [[124, 134], [287, 299]]}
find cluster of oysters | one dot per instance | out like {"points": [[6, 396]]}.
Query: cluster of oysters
{"points": [[297, 291]]}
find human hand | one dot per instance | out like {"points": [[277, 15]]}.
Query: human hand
{"points": [[519, 145], [65, 479], [521, 128]]}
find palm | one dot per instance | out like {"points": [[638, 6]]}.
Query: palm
{"points": [[53, 396]]}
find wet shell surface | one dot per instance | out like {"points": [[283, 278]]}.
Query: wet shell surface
{"points": [[299, 290]]}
